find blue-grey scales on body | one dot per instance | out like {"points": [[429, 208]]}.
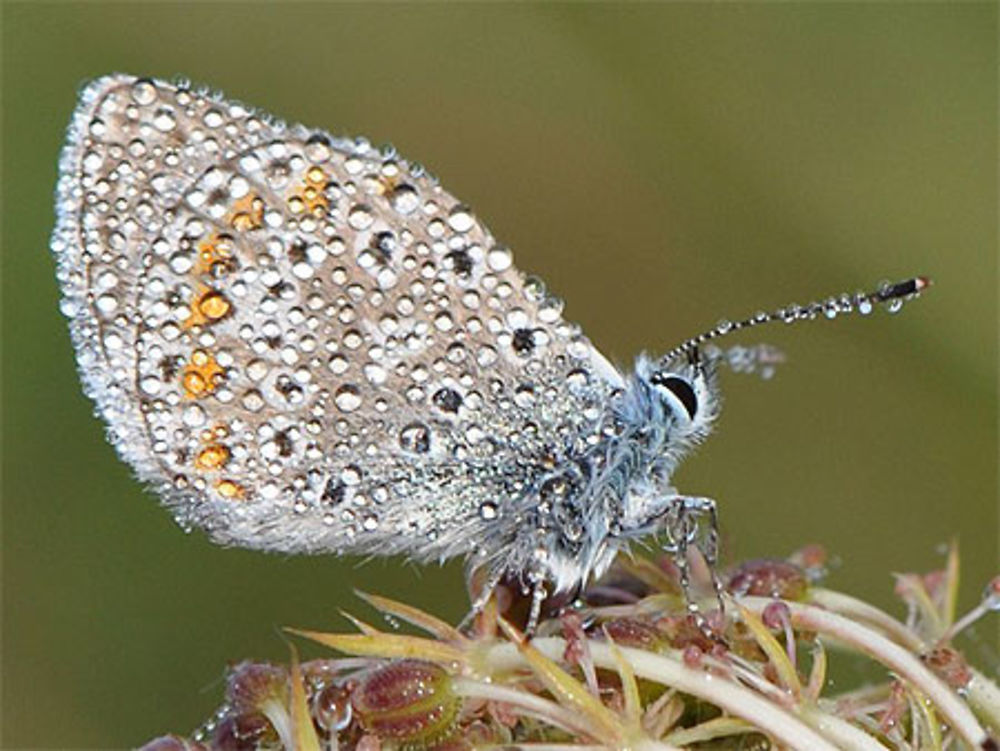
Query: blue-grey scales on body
{"points": [[305, 344]]}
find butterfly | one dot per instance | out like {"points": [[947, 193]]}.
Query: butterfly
{"points": [[305, 344]]}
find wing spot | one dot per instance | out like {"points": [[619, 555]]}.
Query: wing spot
{"points": [[230, 490], [212, 457], [209, 306], [200, 375], [248, 213], [311, 196]]}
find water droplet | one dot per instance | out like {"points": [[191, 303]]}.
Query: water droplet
{"points": [[577, 378], [257, 370], [405, 199], [164, 120], [416, 438], [253, 401], [375, 374], [550, 310], [213, 118], [193, 416], [386, 277], [318, 148], [556, 488], [151, 385], [360, 217], [447, 400], [499, 258], [106, 304], [352, 339], [460, 219], [351, 475], [524, 396], [347, 398], [991, 595], [486, 356], [144, 92], [92, 161], [534, 288]]}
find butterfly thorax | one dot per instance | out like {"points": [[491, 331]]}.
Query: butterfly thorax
{"points": [[580, 513]]}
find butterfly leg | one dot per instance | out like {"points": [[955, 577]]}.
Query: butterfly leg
{"points": [[538, 594], [493, 577], [707, 507], [683, 527], [490, 583]]}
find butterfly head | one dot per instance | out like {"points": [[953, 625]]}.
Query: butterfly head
{"points": [[684, 394]]}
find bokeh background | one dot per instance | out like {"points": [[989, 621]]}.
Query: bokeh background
{"points": [[662, 167]]}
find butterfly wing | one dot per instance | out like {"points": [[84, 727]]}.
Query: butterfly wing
{"points": [[304, 343]]}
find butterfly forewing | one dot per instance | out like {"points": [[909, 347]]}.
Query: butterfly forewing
{"points": [[304, 343]]}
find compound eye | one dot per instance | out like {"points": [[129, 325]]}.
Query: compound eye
{"points": [[681, 391]]}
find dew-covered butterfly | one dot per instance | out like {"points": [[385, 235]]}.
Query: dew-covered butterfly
{"points": [[305, 344]]}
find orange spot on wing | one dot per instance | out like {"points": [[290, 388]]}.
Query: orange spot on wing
{"points": [[209, 306], [310, 196], [212, 457], [229, 489], [200, 375], [247, 213], [386, 184]]}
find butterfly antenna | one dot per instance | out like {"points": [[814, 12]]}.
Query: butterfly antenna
{"points": [[892, 296]]}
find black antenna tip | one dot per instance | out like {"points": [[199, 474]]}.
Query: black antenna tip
{"points": [[913, 286]]}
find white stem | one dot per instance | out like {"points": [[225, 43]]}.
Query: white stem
{"points": [[840, 731], [543, 709], [889, 653], [964, 622], [739, 701], [857, 609], [984, 696], [982, 693]]}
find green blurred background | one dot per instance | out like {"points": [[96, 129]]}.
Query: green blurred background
{"points": [[661, 166]]}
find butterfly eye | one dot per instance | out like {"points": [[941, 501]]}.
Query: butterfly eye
{"points": [[678, 392]]}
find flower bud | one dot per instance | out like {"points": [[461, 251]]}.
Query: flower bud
{"points": [[950, 666], [243, 732], [769, 578], [407, 701], [634, 632], [250, 685]]}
